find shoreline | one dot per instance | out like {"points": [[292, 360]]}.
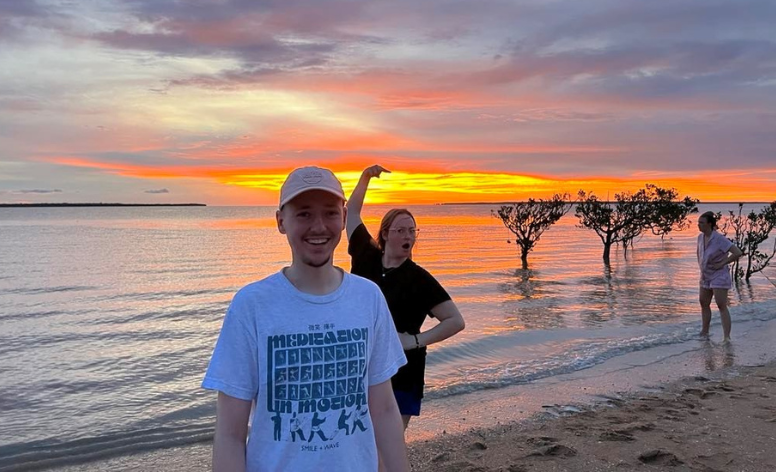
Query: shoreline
{"points": [[583, 420], [725, 420]]}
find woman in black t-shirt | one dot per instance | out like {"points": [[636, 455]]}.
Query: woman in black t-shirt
{"points": [[411, 292]]}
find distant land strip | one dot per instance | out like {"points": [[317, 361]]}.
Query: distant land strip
{"points": [[512, 202], [47, 205]]}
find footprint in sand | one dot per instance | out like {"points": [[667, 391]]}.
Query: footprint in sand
{"points": [[541, 441], [699, 392], [516, 468], [614, 401], [673, 415], [555, 450], [478, 446], [463, 467], [475, 449], [659, 457], [616, 436], [630, 428], [715, 462], [724, 388], [620, 418]]}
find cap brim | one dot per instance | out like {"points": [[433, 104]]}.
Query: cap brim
{"points": [[293, 195]]}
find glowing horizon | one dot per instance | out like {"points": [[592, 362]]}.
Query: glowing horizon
{"points": [[428, 186]]}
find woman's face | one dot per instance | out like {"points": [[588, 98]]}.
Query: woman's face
{"points": [[704, 225], [400, 236]]}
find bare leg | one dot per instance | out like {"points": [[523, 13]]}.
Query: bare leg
{"points": [[406, 420], [704, 297], [721, 297]]}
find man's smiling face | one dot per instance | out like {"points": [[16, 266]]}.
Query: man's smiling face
{"points": [[313, 223]]}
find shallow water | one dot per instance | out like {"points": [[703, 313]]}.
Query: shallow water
{"points": [[109, 315]]}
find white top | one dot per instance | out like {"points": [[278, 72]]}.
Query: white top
{"points": [[307, 361]]}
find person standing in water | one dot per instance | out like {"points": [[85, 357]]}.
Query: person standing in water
{"points": [[714, 252], [411, 292]]}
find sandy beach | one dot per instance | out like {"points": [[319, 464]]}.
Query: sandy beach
{"points": [[724, 422], [720, 421]]}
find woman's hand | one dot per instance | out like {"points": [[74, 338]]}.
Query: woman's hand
{"points": [[356, 201], [717, 265], [407, 341], [374, 171]]}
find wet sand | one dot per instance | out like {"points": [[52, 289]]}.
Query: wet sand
{"points": [[724, 422]]}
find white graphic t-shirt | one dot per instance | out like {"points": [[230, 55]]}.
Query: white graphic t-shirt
{"points": [[307, 361]]}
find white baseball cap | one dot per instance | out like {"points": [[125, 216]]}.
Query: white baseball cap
{"points": [[309, 178]]}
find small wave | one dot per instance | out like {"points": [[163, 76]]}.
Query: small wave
{"points": [[38, 455], [152, 296], [504, 374], [490, 362], [177, 270], [46, 290], [32, 315], [24, 342], [209, 311]]}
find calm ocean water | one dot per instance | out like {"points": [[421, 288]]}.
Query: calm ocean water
{"points": [[108, 315]]}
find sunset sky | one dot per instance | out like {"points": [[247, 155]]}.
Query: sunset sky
{"points": [[214, 101]]}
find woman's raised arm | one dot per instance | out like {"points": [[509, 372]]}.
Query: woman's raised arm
{"points": [[356, 200]]}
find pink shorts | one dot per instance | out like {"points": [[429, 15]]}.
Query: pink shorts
{"points": [[716, 279]]}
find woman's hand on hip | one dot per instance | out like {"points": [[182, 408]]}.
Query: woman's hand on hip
{"points": [[407, 341], [717, 265]]}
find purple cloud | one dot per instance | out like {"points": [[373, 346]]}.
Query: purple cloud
{"points": [[35, 191]]}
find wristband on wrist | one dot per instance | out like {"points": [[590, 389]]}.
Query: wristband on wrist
{"points": [[417, 343]]}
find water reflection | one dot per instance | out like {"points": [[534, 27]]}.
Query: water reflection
{"points": [[525, 287], [745, 292], [716, 356], [533, 303], [599, 299]]}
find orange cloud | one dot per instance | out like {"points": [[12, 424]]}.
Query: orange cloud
{"points": [[428, 187], [434, 185], [129, 170]]}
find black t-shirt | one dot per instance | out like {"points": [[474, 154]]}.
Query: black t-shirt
{"points": [[411, 293]]}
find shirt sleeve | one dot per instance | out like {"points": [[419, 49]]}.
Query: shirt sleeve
{"points": [[233, 367], [699, 248], [726, 244], [361, 242], [387, 353], [432, 292]]}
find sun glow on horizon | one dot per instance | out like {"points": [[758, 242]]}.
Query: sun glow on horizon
{"points": [[406, 187], [431, 186]]}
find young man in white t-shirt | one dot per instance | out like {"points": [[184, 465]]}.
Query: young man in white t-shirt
{"points": [[310, 347]]}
